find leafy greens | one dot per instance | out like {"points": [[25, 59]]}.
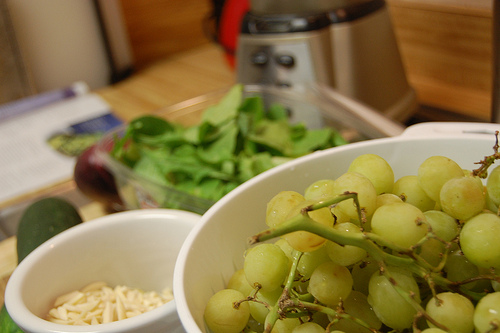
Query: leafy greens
{"points": [[234, 141]]}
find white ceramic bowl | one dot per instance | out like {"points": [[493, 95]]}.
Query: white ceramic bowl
{"points": [[214, 249], [133, 248]]}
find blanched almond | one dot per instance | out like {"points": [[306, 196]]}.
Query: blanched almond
{"points": [[97, 303]]}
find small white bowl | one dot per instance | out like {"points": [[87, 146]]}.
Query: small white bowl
{"points": [[134, 248]]}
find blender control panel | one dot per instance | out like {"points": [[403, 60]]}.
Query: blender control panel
{"points": [[283, 62]]}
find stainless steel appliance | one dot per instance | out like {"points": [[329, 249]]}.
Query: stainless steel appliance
{"points": [[348, 45]]}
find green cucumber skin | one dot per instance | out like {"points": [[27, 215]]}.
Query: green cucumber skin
{"points": [[7, 325], [41, 221]]}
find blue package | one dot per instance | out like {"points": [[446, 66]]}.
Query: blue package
{"points": [[102, 123]]}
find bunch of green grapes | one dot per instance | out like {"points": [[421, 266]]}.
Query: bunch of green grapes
{"points": [[367, 253]]}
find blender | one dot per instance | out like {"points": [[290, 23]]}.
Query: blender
{"points": [[346, 45]]}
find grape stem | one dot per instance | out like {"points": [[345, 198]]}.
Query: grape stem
{"points": [[493, 327], [278, 310], [478, 278], [482, 171], [444, 256], [368, 242], [288, 306]]}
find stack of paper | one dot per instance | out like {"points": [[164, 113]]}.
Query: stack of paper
{"points": [[31, 153]]}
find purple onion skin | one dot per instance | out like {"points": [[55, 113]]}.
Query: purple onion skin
{"points": [[94, 180]]}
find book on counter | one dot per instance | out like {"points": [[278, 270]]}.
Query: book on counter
{"points": [[41, 136]]}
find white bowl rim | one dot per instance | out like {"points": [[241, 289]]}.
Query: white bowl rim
{"points": [[20, 313], [428, 132]]}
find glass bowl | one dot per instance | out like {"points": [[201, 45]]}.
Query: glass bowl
{"points": [[312, 105]]}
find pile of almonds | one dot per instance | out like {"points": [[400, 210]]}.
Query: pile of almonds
{"points": [[98, 303]]}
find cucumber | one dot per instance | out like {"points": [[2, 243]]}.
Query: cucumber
{"points": [[42, 220], [7, 325]]}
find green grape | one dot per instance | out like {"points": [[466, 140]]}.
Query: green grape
{"points": [[320, 190], [286, 325], [493, 185], [286, 248], [308, 327], [387, 198], [310, 260], [433, 330], [341, 216], [367, 194], [382, 199], [345, 255], [280, 205], [300, 286], [431, 251], [484, 285], [306, 263], [266, 265], [409, 188], [487, 314], [222, 317], [238, 281], [392, 308], [258, 310], [434, 172], [401, 223], [291, 253], [320, 318], [495, 285], [330, 283], [462, 198], [376, 169], [442, 224], [357, 306], [489, 203], [479, 181], [453, 311], [305, 241], [253, 326], [361, 274], [480, 240], [459, 268]]}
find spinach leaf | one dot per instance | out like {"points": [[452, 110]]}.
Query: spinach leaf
{"points": [[235, 140]]}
